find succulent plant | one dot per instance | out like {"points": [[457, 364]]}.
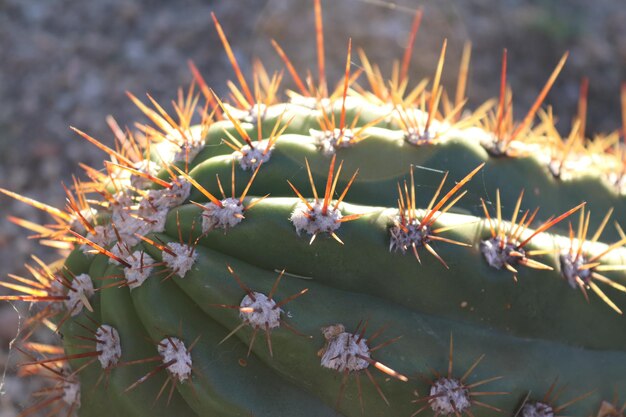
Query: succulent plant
{"points": [[343, 251]]}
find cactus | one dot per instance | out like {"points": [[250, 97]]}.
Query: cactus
{"points": [[347, 251]]}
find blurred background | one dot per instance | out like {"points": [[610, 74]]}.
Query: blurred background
{"points": [[69, 62]]}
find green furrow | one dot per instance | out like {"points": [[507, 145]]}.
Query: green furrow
{"points": [[222, 386], [424, 344], [388, 159], [540, 305]]}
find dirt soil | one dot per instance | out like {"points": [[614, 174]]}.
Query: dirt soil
{"points": [[69, 62]]}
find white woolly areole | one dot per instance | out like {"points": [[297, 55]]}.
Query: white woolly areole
{"points": [[252, 115], [167, 197], [249, 115], [555, 167], [188, 146], [184, 258], [313, 103], [225, 217], [251, 158], [103, 236], [139, 270], [450, 397], [569, 167], [122, 219], [181, 188], [108, 345], [313, 221], [146, 166], [71, 393], [81, 285], [497, 254], [265, 311], [331, 140], [128, 227], [173, 350], [619, 179], [76, 223], [401, 240], [342, 351], [571, 268], [140, 222], [153, 223], [120, 249], [416, 137], [122, 201], [536, 409], [178, 148], [493, 144]]}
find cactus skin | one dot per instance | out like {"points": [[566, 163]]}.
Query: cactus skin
{"points": [[376, 183], [439, 315]]}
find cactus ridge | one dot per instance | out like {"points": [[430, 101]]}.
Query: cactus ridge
{"points": [[344, 252]]}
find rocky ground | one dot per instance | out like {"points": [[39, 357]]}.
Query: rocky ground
{"points": [[69, 62]]}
